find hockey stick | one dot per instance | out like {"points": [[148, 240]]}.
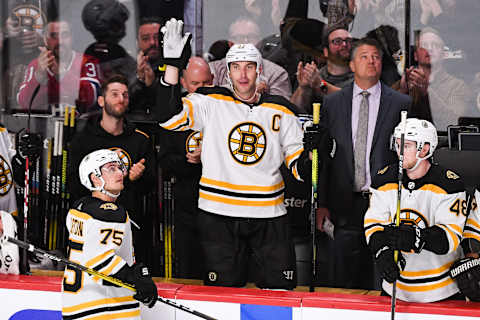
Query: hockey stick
{"points": [[313, 204], [93, 272], [403, 123]]}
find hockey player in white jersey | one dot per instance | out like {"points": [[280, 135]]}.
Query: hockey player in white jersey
{"points": [[466, 271], [100, 238], [246, 137], [432, 217]]}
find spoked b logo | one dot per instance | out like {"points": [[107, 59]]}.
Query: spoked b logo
{"points": [[247, 143]]}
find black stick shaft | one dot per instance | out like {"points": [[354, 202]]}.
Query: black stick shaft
{"points": [[118, 282]]}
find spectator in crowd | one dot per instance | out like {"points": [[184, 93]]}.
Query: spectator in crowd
{"points": [[430, 228], [218, 50], [338, 12], [59, 74], [106, 20], [180, 157], [415, 83], [241, 189], [466, 271], [387, 36], [143, 92], [111, 130], [450, 97], [361, 118], [24, 25], [273, 79], [336, 72], [9, 256]]}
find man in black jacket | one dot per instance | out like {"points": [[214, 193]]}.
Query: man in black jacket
{"points": [[112, 131]]}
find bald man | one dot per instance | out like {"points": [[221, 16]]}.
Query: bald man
{"points": [[196, 75]]}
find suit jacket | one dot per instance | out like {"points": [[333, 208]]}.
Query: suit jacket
{"points": [[337, 174]]}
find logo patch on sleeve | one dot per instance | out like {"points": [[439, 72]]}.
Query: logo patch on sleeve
{"points": [[452, 175]]}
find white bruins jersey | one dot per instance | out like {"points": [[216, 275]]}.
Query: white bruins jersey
{"points": [[9, 256], [472, 226], [8, 201], [99, 238], [243, 148], [437, 199]]}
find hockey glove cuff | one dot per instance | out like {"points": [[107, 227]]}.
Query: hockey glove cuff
{"points": [[466, 273], [316, 137], [389, 270]]}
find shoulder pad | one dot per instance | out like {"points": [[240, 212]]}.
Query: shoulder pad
{"points": [[267, 98], [101, 210], [214, 90], [385, 176], [446, 179]]}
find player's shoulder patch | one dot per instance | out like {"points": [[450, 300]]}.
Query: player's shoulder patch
{"points": [[385, 176], [452, 175], [102, 210], [382, 171], [142, 133], [445, 179]]}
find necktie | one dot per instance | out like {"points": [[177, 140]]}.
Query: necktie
{"points": [[360, 151]]}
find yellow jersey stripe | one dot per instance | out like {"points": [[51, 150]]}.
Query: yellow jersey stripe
{"points": [[99, 258], [238, 202], [239, 187], [433, 188], [410, 288], [471, 235], [456, 228], [177, 123], [95, 303], [374, 229], [108, 270], [452, 235], [143, 133], [423, 273], [223, 97], [190, 111], [295, 172], [121, 315], [288, 159], [79, 214], [371, 221], [277, 107], [473, 223], [388, 187]]}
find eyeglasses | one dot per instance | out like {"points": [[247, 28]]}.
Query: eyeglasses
{"points": [[340, 41], [111, 169]]}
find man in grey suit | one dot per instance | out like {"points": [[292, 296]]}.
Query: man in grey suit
{"points": [[361, 117]]}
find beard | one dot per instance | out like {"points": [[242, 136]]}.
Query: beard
{"points": [[338, 59], [113, 112]]}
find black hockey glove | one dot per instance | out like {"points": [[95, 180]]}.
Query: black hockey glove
{"points": [[139, 276], [466, 273], [405, 237], [389, 270], [319, 138], [146, 288]]}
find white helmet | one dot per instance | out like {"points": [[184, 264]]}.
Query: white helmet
{"points": [[93, 163], [244, 52], [420, 131]]}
